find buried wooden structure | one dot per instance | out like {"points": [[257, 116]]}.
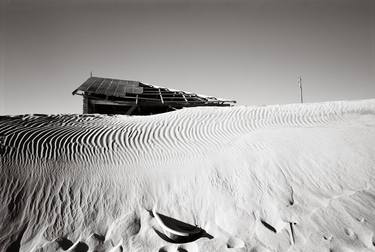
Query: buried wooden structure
{"points": [[114, 96], [176, 231]]}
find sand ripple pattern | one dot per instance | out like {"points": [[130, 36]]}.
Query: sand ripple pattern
{"points": [[77, 138], [80, 182]]}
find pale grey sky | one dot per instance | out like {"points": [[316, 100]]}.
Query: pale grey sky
{"points": [[251, 51]]}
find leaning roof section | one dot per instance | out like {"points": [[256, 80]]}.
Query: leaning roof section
{"points": [[128, 89]]}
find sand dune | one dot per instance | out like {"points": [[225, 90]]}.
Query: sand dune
{"points": [[275, 178]]}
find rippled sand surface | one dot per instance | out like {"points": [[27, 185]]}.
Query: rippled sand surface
{"points": [[274, 178]]}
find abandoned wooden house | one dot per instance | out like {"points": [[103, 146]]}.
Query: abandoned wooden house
{"points": [[113, 96]]}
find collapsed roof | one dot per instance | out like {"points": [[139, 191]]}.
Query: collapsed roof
{"points": [[135, 92]]}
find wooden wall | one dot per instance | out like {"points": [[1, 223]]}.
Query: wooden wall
{"points": [[86, 105]]}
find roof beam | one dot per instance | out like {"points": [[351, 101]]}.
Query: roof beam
{"points": [[183, 95], [161, 97]]}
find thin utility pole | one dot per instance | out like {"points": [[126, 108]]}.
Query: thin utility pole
{"points": [[300, 88]]}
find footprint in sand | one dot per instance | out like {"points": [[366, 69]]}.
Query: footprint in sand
{"points": [[64, 243], [163, 249], [328, 237], [188, 247], [361, 219], [95, 240], [259, 249], [235, 243], [350, 233]]}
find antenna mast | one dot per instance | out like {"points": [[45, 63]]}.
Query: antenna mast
{"points": [[300, 88]]}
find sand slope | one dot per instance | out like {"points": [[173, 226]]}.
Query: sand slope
{"points": [[276, 178]]}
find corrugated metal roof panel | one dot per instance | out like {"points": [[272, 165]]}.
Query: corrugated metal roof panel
{"points": [[132, 89]]}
